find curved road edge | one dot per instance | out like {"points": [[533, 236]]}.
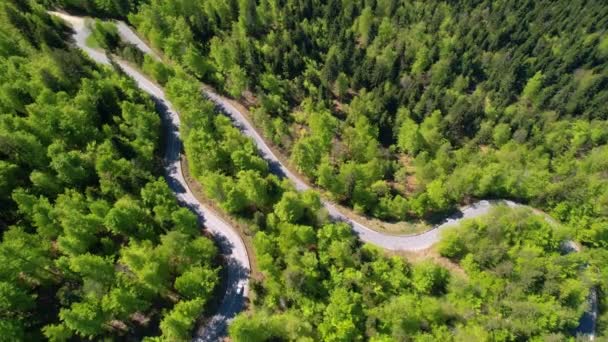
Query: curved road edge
{"points": [[237, 265]]}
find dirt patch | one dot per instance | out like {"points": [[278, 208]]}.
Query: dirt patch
{"points": [[433, 255], [408, 183], [391, 228]]}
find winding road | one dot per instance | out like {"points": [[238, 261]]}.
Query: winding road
{"points": [[237, 267], [231, 245]]}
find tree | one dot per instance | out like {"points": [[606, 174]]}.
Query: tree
{"points": [[158, 70], [263, 326], [502, 134], [157, 196], [179, 251], [248, 16], [342, 317], [121, 302], [197, 282], [72, 167], [363, 25], [93, 267], [289, 208], [244, 160], [254, 187], [8, 178], [429, 278], [410, 140], [196, 62], [40, 212], [149, 269], [452, 245], [422, 312], [342, 85], [177, 324], [422, 61], [360, 140], [533, 86], [337, 245], [14, 301], [236, 81], [306, 154], [332, 67], [86, 319], [438, 194], [12, 329], [57, 332], [105, 34], [185, 222], [25, 254], [129, 219]]}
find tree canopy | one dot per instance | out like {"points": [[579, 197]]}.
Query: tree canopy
{"points": [[93, 242], [401, 110]]}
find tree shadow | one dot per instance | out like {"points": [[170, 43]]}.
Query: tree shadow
{"points": [[233, 275], [274, 166]]}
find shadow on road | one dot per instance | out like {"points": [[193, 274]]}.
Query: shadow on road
{"points": [[233, 301], [233, 275]]}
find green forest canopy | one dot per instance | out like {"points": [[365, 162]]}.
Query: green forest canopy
{"points": [[319, 283], [400, 110], [406, 109], [94, 244]]}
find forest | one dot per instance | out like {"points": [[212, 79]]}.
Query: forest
{"points": [[320, 283], [401, 110], [405, 110], [94, 245]]}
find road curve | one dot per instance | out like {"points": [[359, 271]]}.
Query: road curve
{"points": [[409, 243], [387, 241], [237, 267], [390, 242]]}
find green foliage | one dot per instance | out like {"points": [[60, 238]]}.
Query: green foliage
{"points": [[410, 140], [345, 157], [177, 324], [156, 69], [122, 302], [91, 236], [603, 46], [57, 333], [104, 35], [86, 319], [502, 103], [363, 25], [533, 86], [461, 85], [197, 282], [428, 278], [262, 327], [289, 208], [341, 319], [516, 258], [114, 8], [93, 267]]}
